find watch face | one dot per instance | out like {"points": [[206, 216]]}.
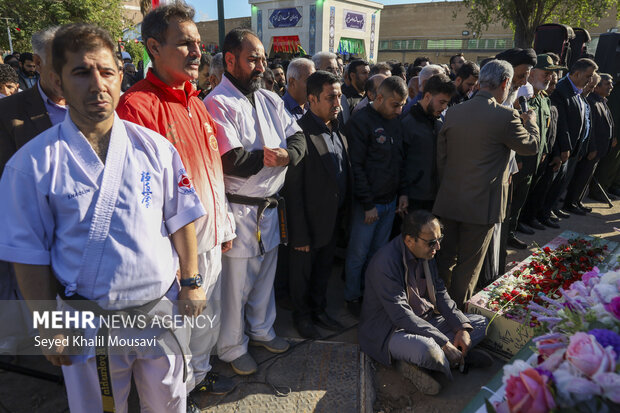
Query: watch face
{"points": [[198, 280]]}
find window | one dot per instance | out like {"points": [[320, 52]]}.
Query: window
{"points": [[384, 44], [489, 43], [444, 44]]}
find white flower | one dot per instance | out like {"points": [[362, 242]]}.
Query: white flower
{"points": [[606, 291], [611, 277], [514, 369], [602, 315]]}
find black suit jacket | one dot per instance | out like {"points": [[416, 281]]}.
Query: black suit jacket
{"points": [[570, 126], [602, 126], [22, 117], [311, 190]]}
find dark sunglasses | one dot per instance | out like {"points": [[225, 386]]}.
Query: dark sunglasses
{"points": [[433, 242]]}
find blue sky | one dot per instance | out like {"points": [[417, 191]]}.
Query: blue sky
{"points": [[207, 9]]}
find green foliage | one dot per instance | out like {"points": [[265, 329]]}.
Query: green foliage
{"points": [[523, 16], [35, 15], [136, 50]]}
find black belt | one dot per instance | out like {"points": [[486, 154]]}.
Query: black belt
{"points": [[263, 204], [81, 303]]}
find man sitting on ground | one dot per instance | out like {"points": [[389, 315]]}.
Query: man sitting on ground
{"points": [[407, 314]]}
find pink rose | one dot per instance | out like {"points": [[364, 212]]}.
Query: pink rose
{"points": [[588, 356], [610, 384], [549, 346], [528, 393]]}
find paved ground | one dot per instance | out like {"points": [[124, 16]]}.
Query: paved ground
{"points": [[19, 393]]}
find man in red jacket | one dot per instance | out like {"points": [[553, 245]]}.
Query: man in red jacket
{"points": [[166, 102]]}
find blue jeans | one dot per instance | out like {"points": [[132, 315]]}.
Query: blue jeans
{"points": [[365, 240]]}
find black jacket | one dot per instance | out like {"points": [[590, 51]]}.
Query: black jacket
{"points": [[420, 142], [377, 157], [311, 190], [602, 126], [386, 304], [570, 126]]}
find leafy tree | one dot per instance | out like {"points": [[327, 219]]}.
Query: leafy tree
{"points": [[523, 16], [35, 15], [136, 50]]}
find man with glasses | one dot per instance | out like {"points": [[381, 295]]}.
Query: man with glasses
{"points": [[408, 316]]}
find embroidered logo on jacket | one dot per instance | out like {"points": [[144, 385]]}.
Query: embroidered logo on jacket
{"points": [[185, 184], [381, 137], [146, 188], [78, 193]]}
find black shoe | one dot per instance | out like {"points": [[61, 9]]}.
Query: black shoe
{"points": [[553, 217], [535, 224], [548, 223], [516, 242], [525, 230], [306, 329], [574, 209], [583, 207], [215, 384], [561, 214], [478, 358], [355, 307], [323, 320], [192, 407]]}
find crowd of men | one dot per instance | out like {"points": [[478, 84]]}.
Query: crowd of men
{"points": [[225, 184]]}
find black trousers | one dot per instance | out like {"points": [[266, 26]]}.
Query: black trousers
{"points": [[520, 187], [309, 274], [584, 172]]}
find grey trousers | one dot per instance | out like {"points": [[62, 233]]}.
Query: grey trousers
{"points": [[425, 352]]}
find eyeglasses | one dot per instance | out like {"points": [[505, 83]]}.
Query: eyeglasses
{"points": [[432, 243]]}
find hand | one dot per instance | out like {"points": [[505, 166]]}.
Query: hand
{"points": [[555, 163], [462, 341], [564, 156], [275, 157], [453, 354], [592, 155], [614, 142], [403, 203], [542, 158], [305, 248], [528, 117], [371, 216], [192, 301], [56, 354], [227, 246]]}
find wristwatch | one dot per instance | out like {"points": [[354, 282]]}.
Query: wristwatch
{"points": [[195, 281]]}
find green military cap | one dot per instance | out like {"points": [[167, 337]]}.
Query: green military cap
{"points": [[545, 62]]}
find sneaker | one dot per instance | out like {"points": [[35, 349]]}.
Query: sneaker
{"points": [[277, 345], [478, 358], [418, 377], [244, 365], [192, 407], [215, 384]]}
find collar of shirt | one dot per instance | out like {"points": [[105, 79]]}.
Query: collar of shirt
{"points": [[55, 111], [180, 95], [322, 124], [575, 88], [291, 104], [420, 113]]}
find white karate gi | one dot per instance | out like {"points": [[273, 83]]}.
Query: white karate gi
{"points": [[104, 230], [247, 276]]}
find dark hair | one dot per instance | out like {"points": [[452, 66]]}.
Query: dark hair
{"points": [[398, 69], [439, 83], [8, 74], [205, 60], [233, 41], [455, 56], [468, 69], [26, 56], [393, 84], [378, 68], [605, 76], [10, 57], [416, 220], [79, 36], [316, 81], [156, 22], [354, 64], [419, 60], [274, 66], [413, 71], [582, 65]]}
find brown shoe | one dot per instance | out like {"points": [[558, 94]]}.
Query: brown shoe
{"points": [[418, 377]]}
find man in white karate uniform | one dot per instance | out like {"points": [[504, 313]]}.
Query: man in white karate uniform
{"points": [[258, 139], [99, 210]]}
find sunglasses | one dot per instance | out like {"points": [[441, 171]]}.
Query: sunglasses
{"points": [[432, 243]]}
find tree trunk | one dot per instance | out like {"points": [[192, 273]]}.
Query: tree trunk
{"points": [[524, 36]]}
